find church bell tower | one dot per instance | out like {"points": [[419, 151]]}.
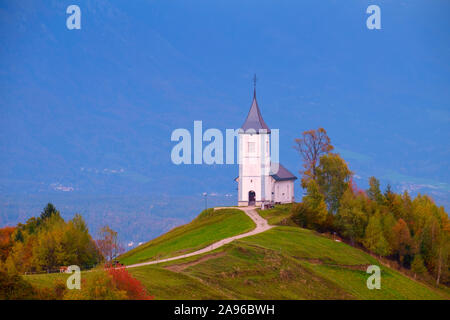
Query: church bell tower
{"points": [[254, 159]]}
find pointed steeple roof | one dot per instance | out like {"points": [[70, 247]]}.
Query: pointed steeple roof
{"points": [[254, 119]]}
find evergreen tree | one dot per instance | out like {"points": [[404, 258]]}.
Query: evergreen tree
{"points": [[407, 209], [48, 211], [388, 190], [374, 192]]}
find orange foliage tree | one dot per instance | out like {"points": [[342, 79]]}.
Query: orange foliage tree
{"points": [[6, 242], [402, 242]]}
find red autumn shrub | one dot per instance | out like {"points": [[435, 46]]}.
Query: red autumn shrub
{"points": [[125, 281]]}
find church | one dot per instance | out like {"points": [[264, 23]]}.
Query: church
{"points": [[257, 185]]}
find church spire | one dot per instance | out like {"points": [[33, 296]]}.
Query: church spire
{"points": [[254, 119]]}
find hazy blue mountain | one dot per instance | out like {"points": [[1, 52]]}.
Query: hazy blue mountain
{"points": [[87, 115]]}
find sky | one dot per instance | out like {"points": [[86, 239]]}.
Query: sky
{"points": [[87, 115]]}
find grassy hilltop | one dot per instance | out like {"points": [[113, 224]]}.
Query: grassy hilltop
{"points": [[210, 226], [285, 262]]}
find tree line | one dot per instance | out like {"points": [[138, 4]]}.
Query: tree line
{"points": [[414, 232], [46, 243]]}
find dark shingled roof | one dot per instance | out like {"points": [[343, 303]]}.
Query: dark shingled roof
{"points": [[254, 119], [283, 174]]}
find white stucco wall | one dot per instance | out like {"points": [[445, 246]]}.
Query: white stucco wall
{"points": [[254, 172], [255, 166], [284, 191]]}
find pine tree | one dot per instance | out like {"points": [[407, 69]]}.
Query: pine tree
{"points": [[48, 211], [374, 192]]}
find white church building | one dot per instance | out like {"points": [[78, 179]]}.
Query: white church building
{"points": [[256, 184]]}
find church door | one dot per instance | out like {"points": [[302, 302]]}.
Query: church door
{"points": [[251, 198]]}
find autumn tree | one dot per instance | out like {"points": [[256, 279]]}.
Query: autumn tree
{"points": [[21, 257], [108, 243], [332, 176], [312, 145], [388, 222], [351, 220], [374, 239], [315, 202], [415, 231], [402, 241], [77, 244], [51, 243], [418, 266], [6, 242], [441, 254]]}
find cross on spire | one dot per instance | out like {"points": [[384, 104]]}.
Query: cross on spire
{"points": [[254, 119]]}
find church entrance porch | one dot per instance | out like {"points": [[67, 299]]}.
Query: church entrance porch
{"points": [[251, 198]]}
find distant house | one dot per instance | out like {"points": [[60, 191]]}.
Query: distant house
{"points": [[256, 184], [63, 269]]}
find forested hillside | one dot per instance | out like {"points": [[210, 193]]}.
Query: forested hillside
{"points": [[415, 232]]}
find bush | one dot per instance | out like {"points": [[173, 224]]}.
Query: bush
{"points": [[133, 287], [14, 287], [98, 287], [109, 284]]}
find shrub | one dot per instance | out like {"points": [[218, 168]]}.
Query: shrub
{"points": [[133, 287]]}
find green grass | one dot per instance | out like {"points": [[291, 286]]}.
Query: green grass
{"points": [[249, 272], [46, 280], [281, 263], [207, 228], [394, 285], [278, 215], [306, 244], [168, 285], [293, 263]]}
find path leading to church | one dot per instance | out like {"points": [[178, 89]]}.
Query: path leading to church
{"points": [[261, 226]]}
